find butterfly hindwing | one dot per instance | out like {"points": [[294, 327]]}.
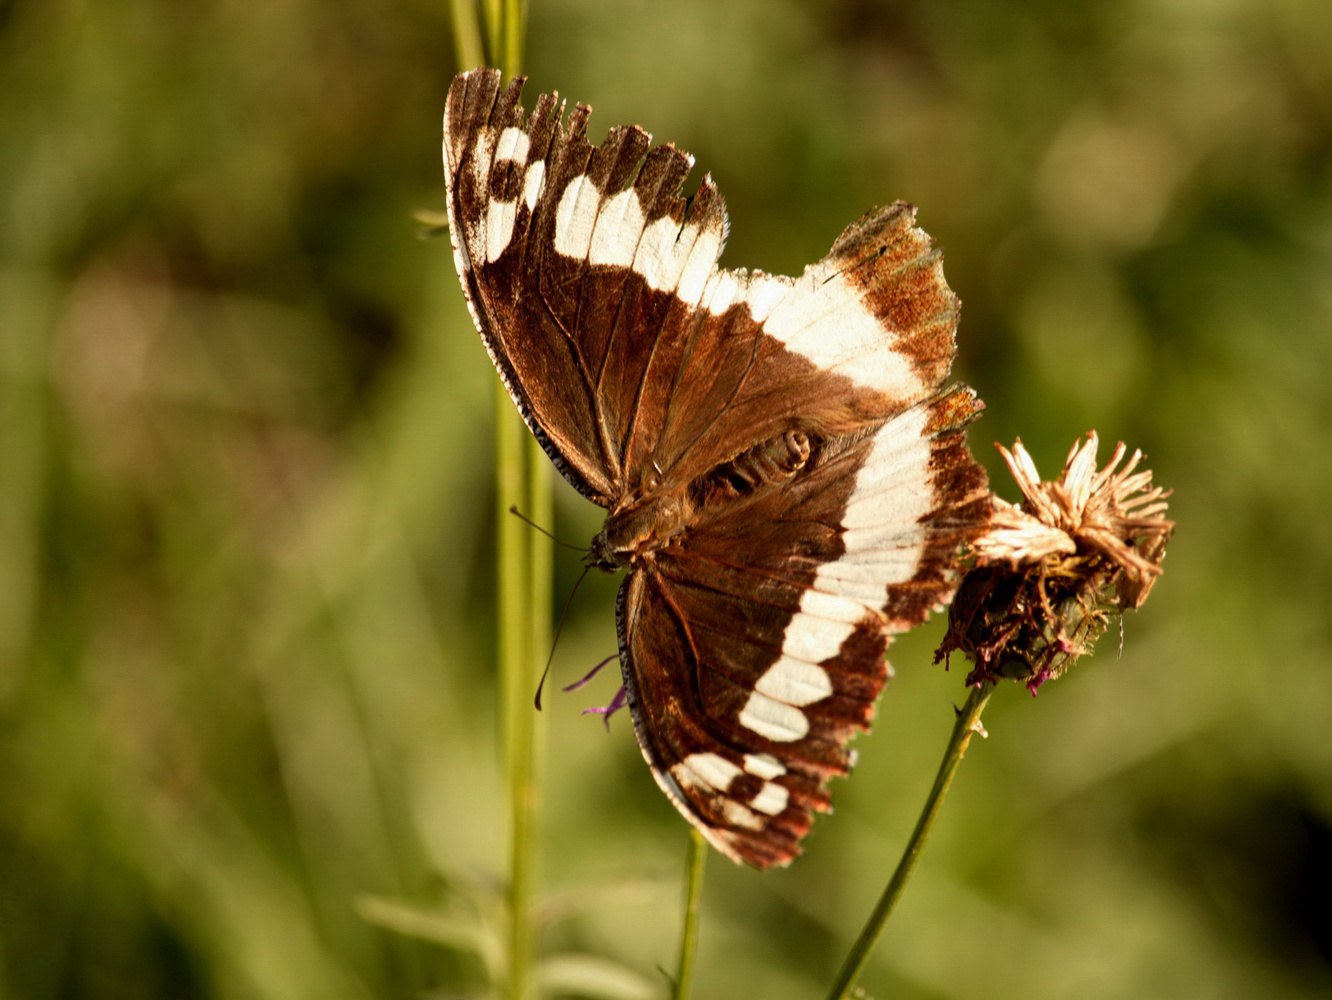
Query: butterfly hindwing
{"points": [[762, 634]]}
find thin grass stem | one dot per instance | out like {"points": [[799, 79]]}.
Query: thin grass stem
{"points": [[694, 865], [515, 658], [529, 727], [968, 723], [467, 43], [515, 30], [525, 564], [494, 13]]}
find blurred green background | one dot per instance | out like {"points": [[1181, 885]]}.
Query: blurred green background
{"points": [[246, 560]]}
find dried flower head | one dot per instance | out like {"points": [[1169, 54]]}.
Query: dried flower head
{"points": [[1051, 572]]}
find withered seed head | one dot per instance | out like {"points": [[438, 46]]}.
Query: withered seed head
{"points": [[1051, 572]]}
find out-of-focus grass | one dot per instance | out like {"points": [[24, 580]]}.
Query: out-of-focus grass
{"points": [[245, 509]]}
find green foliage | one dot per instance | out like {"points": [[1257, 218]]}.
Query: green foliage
{"points": [[248, 724]]}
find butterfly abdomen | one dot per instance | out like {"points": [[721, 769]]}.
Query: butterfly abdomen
{"points": [[767, 463]]}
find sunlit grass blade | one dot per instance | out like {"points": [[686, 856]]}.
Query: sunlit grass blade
{"points": [[596, 977], [469, 933]]}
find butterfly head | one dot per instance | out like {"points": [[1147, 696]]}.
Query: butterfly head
{"points": [[635, 529]]}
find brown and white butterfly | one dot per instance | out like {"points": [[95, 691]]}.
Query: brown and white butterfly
{"points": [[786, 483]]}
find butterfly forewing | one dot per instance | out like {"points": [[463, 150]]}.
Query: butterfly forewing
{"points": [[496, 170], [819, 485], [630, 352]]}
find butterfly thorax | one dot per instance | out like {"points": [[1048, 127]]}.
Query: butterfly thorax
{"points": [[640, 527], [637, 528]]}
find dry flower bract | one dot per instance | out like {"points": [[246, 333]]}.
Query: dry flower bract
{"points": [[1052, 571]]}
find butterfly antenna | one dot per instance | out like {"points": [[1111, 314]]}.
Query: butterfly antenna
{"points": [[532, 524], [558, 628]]}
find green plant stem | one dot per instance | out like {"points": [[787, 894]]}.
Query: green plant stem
{"points": [[968, 723], [467, 42], [494, 12], [524, 879], [525, 559], [511, 39], [698, 856], [515, 658]]}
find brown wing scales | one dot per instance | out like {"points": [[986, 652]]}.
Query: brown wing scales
{"points": [[726, 614], [796, 425]]}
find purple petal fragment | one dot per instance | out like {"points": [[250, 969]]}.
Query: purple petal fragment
{"points": [[606, 711], [591, 673]]}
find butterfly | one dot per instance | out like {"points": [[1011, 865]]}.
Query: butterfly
{"points": [[786, 479]]}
